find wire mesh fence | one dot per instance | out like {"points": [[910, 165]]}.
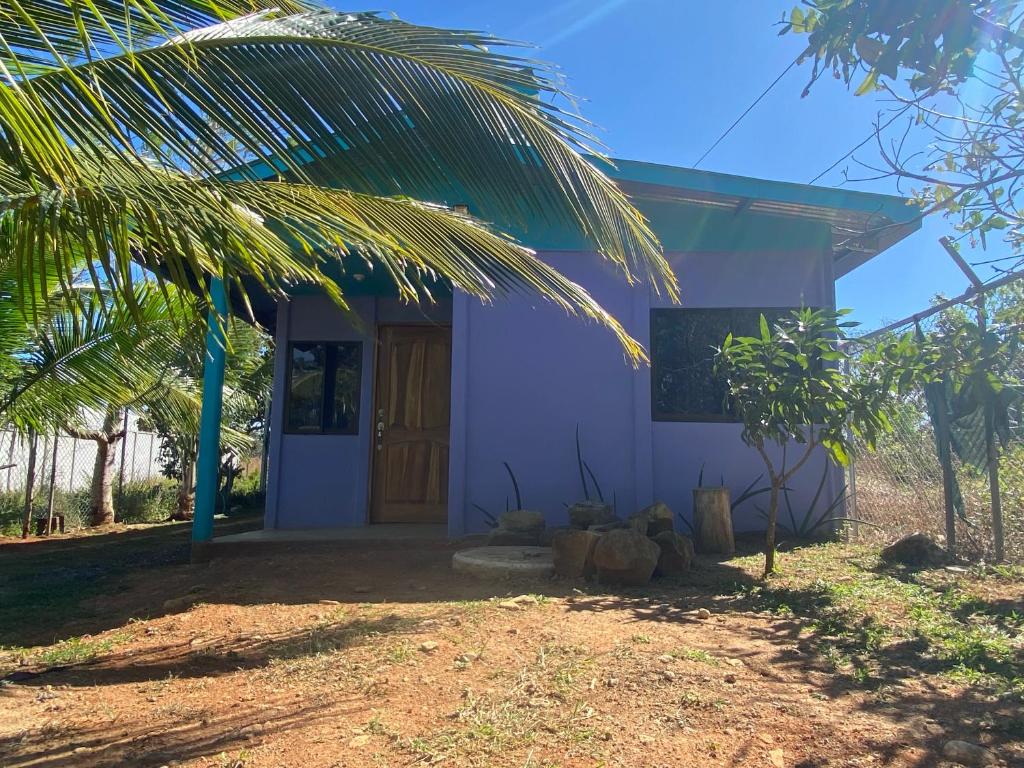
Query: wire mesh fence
{"points": [[70, 460], [63, 473], [898, 488]]}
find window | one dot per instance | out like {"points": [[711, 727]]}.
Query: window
{"points": [[683, 343], [323, 387]]}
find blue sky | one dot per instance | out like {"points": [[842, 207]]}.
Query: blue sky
{"points": [[664, 78]]}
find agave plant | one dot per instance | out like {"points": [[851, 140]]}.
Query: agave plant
{"points": [[197, 137]]}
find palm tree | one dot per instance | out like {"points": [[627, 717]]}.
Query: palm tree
{"points": [[247, 383], [196, 136], [90, 353]]}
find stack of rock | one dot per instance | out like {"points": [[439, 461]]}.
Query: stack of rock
{"points": [[627, 552]]}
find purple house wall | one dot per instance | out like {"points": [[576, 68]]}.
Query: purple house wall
{"points": [[524, 375]]}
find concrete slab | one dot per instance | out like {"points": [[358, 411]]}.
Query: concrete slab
{"points": [[505, 562], [390, 532]]}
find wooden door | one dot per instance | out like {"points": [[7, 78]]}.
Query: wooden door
{"points": [[410, 425]]}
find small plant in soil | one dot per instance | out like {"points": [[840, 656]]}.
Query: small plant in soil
{"points": [[788, 386]]}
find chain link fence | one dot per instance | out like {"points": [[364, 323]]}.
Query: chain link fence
{"points": [[898, 489], [63, 473]]}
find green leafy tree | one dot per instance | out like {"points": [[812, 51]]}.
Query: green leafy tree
{"points": [[248, 379], [955, 70], [90, 353], [788, 386], [197, 137]]}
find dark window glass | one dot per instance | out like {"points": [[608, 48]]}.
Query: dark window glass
{"points": [[347, 370], [683, 344], [306, 388], [323, 387]]}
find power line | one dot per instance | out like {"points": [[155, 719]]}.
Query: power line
{"points": [[746, 112], [869, 138]]}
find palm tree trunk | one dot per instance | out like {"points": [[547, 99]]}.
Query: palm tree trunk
{"points": [[101, 491], [186, 490]]}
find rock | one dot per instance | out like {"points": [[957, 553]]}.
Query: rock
{"points": [[510, 605], [502, 537], [573, 552], [612, 525], [525, 600], [777, 758], [676, 553], [584, 514], [965, 753], [638, 522], [625, 557], [547, 536], [428, 646], [703, 613], [359, 741], [521, 521], [917, 549], [176, 604], [659, 518], [328, 602]]}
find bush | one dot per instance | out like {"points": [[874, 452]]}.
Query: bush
{"points": [[145, 501], [10, 513], [73, 505], [246, 495]]}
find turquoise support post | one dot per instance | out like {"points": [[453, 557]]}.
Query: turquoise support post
{"points": [[208, 460]]}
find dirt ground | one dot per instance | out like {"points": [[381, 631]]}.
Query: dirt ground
{"points": [[388, 658]]}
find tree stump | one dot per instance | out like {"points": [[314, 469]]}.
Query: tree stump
{"points": [[712, 521]]}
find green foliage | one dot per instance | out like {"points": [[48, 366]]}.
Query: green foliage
{"points": [[981, 366], [937, 40], [970, 51], [92, 351], [145, 501], [789, 384], [74, 506], [156, 134]]}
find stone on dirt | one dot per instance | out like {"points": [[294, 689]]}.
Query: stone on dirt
{"points": [[965, 753], [502, 537], [573, 552], [584, 514], [659, 518], [176, 604], [676, 553], [522, 521], [612, 525], [428, 646], [625, 557], [918, 549]]}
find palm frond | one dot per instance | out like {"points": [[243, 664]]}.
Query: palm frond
{"points": [[43, 33], [285, 233], [388, 107], [91, 356]]}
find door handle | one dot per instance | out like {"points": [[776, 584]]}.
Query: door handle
{"points": [[380, 432]]}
